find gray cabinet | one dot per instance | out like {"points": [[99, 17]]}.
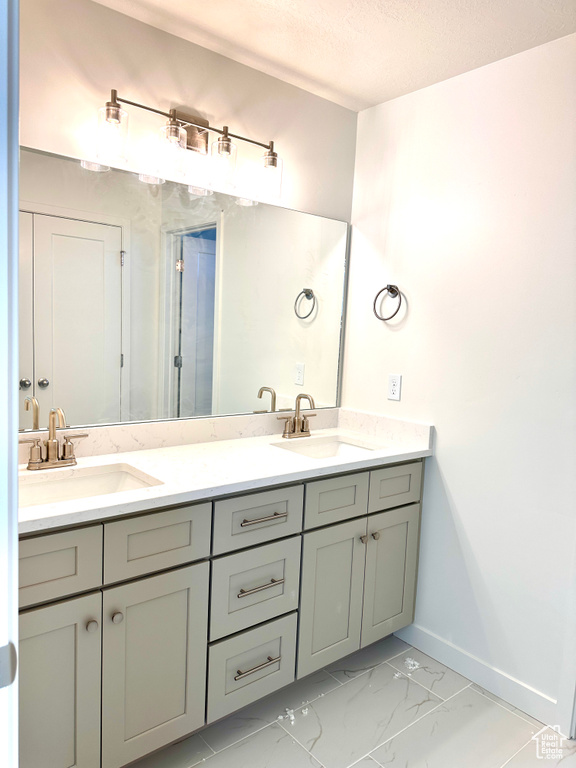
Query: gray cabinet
{"points": [[60, 685], [391, 567], [359, 577], [331, 599], [154, 662]]}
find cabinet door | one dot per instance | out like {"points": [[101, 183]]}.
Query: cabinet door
{"points": [[391, 564], [60, 685], [154, 662], [331, 598]]}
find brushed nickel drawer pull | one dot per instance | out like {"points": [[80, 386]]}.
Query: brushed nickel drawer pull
{"points": [[376, 535], [239, 675], [275, 516], [273, 583]]}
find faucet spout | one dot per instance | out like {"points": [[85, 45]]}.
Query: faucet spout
{"points": [[299, 399], [55, 414], [272, 396], [31, 402]]}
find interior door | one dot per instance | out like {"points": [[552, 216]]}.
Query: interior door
{"points": [[78, 318], [195, 334]]}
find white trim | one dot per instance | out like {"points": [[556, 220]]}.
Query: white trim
{"points": [[521, 695], [9, 72], [46, 209]]}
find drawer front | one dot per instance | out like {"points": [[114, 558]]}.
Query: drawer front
{"points": [[254, 586], [151, 543], [394, 486], [257, 518], [336, 499], [60, 564], [250, 665]]}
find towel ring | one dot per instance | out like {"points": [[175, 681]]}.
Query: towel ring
{"points": [[393, 292], [309, 294]]}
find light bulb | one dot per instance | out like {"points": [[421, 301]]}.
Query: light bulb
{"points": [[271, 174], [223, 162], [172, 149]]}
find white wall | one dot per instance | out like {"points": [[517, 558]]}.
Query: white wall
{"points": [[465, 197], [75, 51]]}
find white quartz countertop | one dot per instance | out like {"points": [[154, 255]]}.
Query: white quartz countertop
{"points": [[208, 470]]}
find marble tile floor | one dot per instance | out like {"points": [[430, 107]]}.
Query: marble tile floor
{"points": [[386, 706]]}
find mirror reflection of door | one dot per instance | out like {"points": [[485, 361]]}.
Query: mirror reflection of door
{"points": [[70, 318], [194, 332]]}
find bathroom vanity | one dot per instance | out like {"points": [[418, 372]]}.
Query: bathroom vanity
{"points": [[139, 624]]}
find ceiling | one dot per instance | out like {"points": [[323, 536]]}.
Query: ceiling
{"points": [[359, 53]]}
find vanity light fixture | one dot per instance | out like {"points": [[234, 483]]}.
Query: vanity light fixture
{"points": [[181, 132]]}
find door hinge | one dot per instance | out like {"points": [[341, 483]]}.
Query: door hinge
{"points": [[177, 361], [122, 255], [122, 360], [180, 265]]}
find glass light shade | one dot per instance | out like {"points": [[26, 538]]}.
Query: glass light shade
{"points": [[147, 178], [245, 202], [90, 165], [271, 176], [223, 164], [172, 150], [199, 191], [112, 132]]}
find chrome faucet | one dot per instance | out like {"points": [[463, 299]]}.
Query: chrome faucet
{"points": [[55, 457], [298, 425], [272, 397]]}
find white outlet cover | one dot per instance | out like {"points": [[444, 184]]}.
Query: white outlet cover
{"points": [[299, 374], [394, 386]]}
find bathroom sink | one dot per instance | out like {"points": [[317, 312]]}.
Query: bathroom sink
{"points": [[326, 447], [53, 485]]}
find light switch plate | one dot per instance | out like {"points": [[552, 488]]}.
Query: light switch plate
{"points": [[394, 386]]}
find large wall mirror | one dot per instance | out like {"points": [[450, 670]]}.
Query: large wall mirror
{"points": [[142, 302]]}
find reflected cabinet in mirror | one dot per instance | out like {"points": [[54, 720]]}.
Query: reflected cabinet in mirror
{"points": [[142, 302]]}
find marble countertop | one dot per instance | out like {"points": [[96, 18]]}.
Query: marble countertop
{"points": [[207, 470]]}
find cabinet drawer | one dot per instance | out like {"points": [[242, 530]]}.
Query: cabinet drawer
{"points": [[254, 586], [59, 564], [256, 518], [251, 665], [150, 543], [393, 486], [336, 499]]}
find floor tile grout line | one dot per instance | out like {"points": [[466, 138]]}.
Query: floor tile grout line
{"points": [[369, 754], [506, 708], [300, 744], [370, 669], [333, 678], [515, 753], [430, 689], [208, 745], [247, 736]]}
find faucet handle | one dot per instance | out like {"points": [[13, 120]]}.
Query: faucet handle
{"points": [[35, 456], [68, 450], [288, 426]]}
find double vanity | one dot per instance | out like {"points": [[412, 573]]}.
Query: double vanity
{"points": [[163, 589]]}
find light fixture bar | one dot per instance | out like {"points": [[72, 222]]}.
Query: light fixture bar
{"points": [[185, 121]]}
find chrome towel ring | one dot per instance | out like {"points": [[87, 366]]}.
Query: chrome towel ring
{"points": [[393, 292], [308, 293]]}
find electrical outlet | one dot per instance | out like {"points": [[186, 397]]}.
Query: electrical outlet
{"points": [[299, 374], [394, 386]]}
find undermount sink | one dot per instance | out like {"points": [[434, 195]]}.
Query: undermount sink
{"points": [[327, 446], [53, 485]]}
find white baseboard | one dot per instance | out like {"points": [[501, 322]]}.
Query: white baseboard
{"points": [[515, 692]]}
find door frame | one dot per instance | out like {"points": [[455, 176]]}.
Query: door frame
{"points": [[168, 311], [44, 209]]}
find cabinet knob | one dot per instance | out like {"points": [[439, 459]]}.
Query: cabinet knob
{"points": [[43, 383], [117, 618], [25, 383], [92, 626], [376, 535], [363, 539]]}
